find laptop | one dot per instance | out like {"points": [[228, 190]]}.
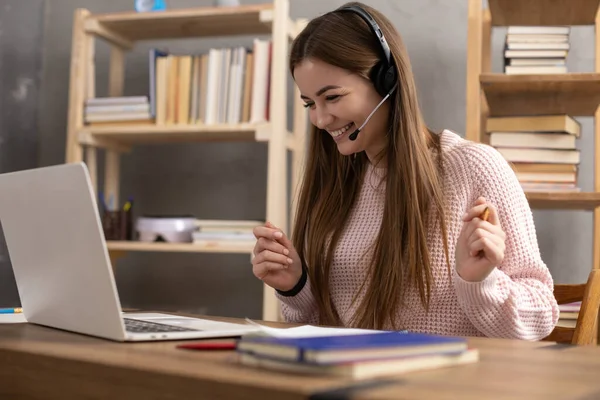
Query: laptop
{"points": [[61, 264]]}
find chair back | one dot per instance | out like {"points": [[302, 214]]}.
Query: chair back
{"points": [[586, 327]]}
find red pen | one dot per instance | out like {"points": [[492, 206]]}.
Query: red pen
{"points": [[208, 346]]}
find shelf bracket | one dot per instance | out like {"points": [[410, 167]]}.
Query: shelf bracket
{"points": [[262, 132], [96, 28], [266, 17], [88, 139]]}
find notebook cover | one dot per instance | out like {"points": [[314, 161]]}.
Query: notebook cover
{"points": [[346, 342]]}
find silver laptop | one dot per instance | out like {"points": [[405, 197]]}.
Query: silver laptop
{"points": [[61, 264]]}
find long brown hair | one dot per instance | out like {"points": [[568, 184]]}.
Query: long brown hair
{"points": [[332, 181]]}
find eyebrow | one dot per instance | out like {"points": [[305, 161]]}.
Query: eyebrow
{"points": [[322, 90]]}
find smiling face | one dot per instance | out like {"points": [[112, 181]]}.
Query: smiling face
{"points": [[339, 102]]}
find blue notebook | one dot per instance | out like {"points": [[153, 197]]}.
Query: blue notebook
{"points": [[351, 348]]}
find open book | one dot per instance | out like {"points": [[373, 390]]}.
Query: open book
{"points": [[304, 331]]}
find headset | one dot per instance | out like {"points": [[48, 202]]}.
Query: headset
{"points": [[383, 75]]}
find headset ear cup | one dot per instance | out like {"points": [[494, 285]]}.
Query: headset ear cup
{"points": [[390, 79], [378, 78]]}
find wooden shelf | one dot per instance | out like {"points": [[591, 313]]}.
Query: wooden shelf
{"points": [[566, 201], [141, 134], [132, 26], [124, 136], [219, 247], [543, 12], [576, 94]]}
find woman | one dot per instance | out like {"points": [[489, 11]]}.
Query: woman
{"points": [[388, 233]]}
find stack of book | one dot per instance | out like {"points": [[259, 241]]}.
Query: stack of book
{"points": [[568, 314], [541, 149], [117, 109], [536, 49], [213, 233], [357, 356]]}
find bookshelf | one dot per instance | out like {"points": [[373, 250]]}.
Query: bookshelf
{"points": [[498, 94], [122, 30]]}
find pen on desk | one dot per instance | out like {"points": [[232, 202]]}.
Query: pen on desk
{"points": [[208, 346], [11, 310]]}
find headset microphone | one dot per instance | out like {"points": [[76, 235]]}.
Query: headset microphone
{"points": [[354, 134]]}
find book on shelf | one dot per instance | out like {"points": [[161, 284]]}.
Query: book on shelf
{"points": [[227, 225], [552, 172], [568, 314], [230, 232], [117, 109], [360, 355], [569, 310], [542, 150], [220, 86], [536, 50], [229, 238]]}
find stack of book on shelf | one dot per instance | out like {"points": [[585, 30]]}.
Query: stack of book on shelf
{"points": [[568, 314], [224, 85], [357, 356], [541, 149], [536, 49], [102, 110], [234, 233]]}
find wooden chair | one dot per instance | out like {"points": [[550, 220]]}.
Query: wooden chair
{"points": [[586, 328]]}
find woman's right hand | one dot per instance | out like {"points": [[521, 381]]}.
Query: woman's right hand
{"points": [[275, 260]]}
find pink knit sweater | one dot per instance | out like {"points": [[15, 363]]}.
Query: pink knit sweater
{"points": [[515, 301]]}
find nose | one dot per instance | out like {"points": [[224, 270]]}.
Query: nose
{"points": [[323, 119]]}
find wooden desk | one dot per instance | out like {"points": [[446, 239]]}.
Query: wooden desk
{"points": [[43, 363]]}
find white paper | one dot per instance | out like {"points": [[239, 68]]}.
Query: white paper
{"points": [[12, 318], [306, 331]]}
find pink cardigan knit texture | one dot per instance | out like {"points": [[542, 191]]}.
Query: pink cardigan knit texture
{"points": [[515, 301]]}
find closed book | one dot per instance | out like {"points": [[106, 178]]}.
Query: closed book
{"points": [[538, 30], [106, 101], [350, 348], [365, 369], [534, 123], [540, 155], [549, 187], [570, 307], [533, 140], [546, 177], [535, 69], [548, 168]]}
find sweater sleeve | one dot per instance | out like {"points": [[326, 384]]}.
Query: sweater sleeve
{"points": [[516, 300], [300, 308]]}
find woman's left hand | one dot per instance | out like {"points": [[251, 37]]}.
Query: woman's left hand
{"points": [[480, 247]]}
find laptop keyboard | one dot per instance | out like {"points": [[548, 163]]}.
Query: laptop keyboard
{"points": [[134, 325]]}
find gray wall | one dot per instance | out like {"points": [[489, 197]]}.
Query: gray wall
{"points": [[21, 30], [227, 180]]}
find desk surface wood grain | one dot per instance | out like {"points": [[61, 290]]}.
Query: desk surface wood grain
{"points": [[44, 363]]}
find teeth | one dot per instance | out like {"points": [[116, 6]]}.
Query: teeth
{"points": [[340, 131]]}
